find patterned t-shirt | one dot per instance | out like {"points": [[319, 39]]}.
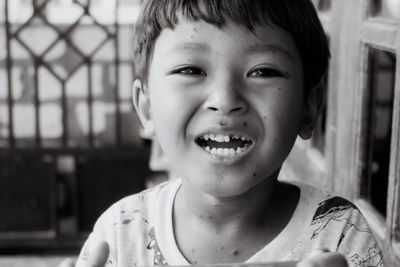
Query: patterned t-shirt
{"points": [[139, 231]]}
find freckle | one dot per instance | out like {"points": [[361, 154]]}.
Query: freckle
{"points": [[210, 217], [221, 248], [264, 117], [244, 124], [235, 252], [126, 221], [279, 88], [254, 174], [192, 250]]}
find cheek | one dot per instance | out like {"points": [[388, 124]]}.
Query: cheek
{"points": [[281, 117]]}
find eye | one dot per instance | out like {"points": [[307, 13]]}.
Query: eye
{"points": [[189, 71], [266, 73]]}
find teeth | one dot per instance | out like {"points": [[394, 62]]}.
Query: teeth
{"points": [[223, 138], [225, 152], [219, 138]]}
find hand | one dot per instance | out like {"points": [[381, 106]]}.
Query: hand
{"points": [[98, 255], [323, 258]]}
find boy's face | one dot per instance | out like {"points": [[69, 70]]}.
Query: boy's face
{"points": [[227, 104]]}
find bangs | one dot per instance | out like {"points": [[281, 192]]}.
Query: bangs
{"points": [[216, 12]]}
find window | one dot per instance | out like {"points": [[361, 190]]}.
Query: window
{"points": [[378, 128], [389, 9], [66, 119], [361, 155]]}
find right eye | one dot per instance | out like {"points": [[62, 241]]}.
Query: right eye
{"points": [[189, 71]]}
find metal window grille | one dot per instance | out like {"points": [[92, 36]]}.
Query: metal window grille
{"points": [[66, 118]]}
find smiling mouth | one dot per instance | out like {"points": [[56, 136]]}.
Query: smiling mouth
{"points": [[224, 145]]}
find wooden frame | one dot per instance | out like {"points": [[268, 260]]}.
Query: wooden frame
{"points": [[353, 31]]}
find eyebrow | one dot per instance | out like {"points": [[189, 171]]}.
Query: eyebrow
{"points": [[190, 46], [257, 47], [275, 48]]}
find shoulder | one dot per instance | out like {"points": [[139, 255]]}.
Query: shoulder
{"points": [[337, 224], [324, 201], [142, 203], [128, 226], [329, 216]]}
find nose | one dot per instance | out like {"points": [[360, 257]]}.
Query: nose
{"points": [[225, 98]]}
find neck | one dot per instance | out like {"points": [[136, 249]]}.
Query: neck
{"points": [[224, 213]]}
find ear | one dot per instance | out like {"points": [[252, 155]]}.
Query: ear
{"points": [[312, 108], [141, 103]]}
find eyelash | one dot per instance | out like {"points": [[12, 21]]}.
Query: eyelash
{"points": [[266, 73], [189, 71], [256, 73]]}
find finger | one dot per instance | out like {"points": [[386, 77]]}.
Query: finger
{"points": [[99, 254], [67, 262]]}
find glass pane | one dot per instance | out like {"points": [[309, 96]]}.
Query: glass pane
{"points": [[128, 11], [78, 108], [4, 124], [38, 37], [51, 127], [19, 11], [3, 45], [380, 109], [324, 5], [24, 112], [88, 39], [104, 106], [103, 11], [125, 82], [104, 123], [386, 8], [63, 12]]}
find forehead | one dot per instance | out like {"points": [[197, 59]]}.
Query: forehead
{"points": [[201, 37]]}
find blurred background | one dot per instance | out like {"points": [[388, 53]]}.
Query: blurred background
{"points": [[71, 144], [69, 140]]}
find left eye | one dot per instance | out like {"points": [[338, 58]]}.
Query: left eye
{"points": [[265, 73]]}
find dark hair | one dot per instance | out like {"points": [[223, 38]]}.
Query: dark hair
{"points": [[297, 17]]}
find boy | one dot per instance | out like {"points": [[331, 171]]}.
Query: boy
{"points": [[226, 86]]}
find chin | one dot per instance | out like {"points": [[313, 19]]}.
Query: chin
{"points": [[228, 188]]}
